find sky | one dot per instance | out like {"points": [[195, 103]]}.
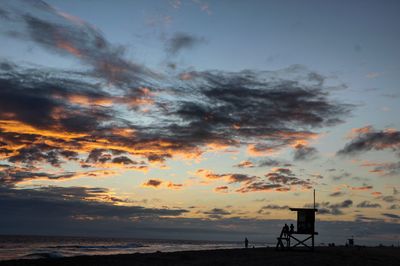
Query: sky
{"points": [[200, 119]]}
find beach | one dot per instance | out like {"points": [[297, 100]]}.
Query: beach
{"points": [[252, 256]]}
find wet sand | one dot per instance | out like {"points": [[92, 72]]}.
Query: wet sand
{"points": [[248, 257]]}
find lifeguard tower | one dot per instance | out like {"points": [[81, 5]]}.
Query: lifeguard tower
{"points": [[305, 226]]}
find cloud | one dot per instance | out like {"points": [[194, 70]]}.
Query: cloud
{"points": [[258, 186], [245, 164], [373, 75], [367, 204], [341, 176], [389, 169], [36, 108], [73, 203], [216, 213], [367, 138], [262, 163], [155, 183], [303, 152], [391, 215], [118, 111], [172, 185], [280, 179], [327, 208], [364, 187], [389, 199], [230, 177], [286, 176], [79, 39], [273, 162], [344, 204], [222, 189], [275, 207], [181, 41], [10, 176], [337, 194], [75, 211]]}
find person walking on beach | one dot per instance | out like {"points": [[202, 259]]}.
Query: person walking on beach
{"points": [[285, 230], [246, 242], [291, 229]]}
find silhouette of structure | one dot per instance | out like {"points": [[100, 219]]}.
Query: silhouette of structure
{"points": [[305, 226], [350, 242], [246, 243]]}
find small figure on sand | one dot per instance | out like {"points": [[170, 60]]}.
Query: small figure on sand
{"points": [[246, 242], [291, 229], [285, 230]]}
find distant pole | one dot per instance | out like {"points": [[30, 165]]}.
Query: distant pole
{"points": [[314, 198], [312, 239]]}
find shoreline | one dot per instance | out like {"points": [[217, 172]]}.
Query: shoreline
{"points": [[252, 256]]}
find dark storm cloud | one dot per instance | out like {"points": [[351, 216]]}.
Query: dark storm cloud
{"points": [[303, 152], [368, 204], [368, 138], [181, 41]]}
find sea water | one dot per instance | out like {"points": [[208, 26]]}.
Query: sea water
{"points": [[35, 247]]}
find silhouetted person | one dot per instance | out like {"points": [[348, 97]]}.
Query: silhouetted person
{"points": [[291, 229], [246, 242], [285, 230]]}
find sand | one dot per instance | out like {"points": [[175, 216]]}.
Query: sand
{"points": [[248, 257]]}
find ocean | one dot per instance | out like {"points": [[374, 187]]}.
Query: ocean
{"points": [[35, 247]]}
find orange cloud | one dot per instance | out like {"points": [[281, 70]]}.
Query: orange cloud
{"points": [[87, 101], [20, 127], [362, 188], [174, 186], [354, 132], [65, 45]]}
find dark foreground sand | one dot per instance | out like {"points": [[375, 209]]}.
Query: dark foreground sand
{"points": [[258, 256]]}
